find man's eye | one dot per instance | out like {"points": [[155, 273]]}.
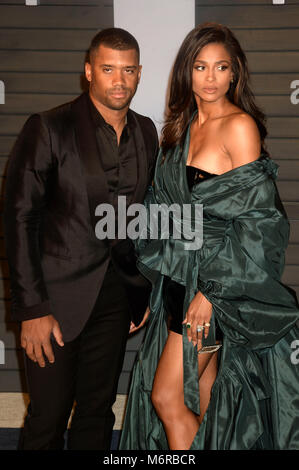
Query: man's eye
{"points": [[106, 69], [129, 71]]}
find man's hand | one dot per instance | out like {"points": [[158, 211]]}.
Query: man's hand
{"points": [[135, 328], [35, 338]]}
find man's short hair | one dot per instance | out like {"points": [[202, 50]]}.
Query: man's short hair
{"points": [[115, 38]]}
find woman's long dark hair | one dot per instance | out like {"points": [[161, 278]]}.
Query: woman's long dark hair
{"points": [[182, 104]]}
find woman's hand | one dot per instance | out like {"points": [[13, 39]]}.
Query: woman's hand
{"points": [[198, 314], [134, 328]]}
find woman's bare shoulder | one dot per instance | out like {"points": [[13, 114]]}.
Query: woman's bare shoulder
{"points": [[241, 138]]}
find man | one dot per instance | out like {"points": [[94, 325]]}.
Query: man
{"points": [[71, 291]]}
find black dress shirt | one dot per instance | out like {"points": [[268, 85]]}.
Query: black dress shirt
{"points": [[118, 161]]}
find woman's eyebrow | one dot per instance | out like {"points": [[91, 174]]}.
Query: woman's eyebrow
{"points": [[217, 62]]}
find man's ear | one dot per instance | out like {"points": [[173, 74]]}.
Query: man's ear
{"points": [[88, 71], [139, 73]]}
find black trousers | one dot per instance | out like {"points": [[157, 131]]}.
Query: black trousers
{"points": [[86, 370]]}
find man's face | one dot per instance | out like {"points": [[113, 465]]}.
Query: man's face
{"points": [[113, 76]]}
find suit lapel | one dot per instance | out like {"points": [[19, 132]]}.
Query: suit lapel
{"points": [[96, 184], [142, 162]]}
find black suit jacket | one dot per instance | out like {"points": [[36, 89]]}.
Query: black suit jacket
{"points": [[54, 183]]}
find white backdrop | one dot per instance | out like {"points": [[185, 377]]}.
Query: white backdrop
{"points": [[159, 27]]}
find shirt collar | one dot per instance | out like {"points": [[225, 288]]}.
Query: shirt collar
{"points": [[99, 121]]}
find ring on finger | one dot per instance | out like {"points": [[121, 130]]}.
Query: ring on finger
{"points": [[207, 325], [199, 328], [188, 325]]}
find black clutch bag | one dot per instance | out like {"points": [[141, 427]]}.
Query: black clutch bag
{"points": [[138, 288]]}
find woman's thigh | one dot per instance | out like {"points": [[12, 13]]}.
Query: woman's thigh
{"points": [[169, 374]]}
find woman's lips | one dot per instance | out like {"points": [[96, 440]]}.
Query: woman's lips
{"points": [[210, 90]]}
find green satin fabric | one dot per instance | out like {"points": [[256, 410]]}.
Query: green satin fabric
{"points": [[254, 401]]}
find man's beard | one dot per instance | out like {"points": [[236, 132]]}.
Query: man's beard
{"points": [[117, 105]]}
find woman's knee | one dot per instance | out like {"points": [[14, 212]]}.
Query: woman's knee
{"points": [[165, 402], [157, 398]]}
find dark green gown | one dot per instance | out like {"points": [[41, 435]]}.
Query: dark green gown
{"points": [[255, 398]]}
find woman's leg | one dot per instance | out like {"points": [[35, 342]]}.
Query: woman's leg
{"points": [[206, 382], [180, 423]]}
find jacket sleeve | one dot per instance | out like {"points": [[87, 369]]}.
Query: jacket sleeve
{"points": [[150, 136], [243, 277], [27, 185], [154, 153]]}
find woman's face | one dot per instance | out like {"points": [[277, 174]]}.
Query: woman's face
{"points": [[212, 73]]}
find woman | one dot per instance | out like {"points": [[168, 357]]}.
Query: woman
{"points": [[228, 291]]}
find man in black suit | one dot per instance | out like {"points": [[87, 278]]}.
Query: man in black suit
{"points": [[73, 293]]}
